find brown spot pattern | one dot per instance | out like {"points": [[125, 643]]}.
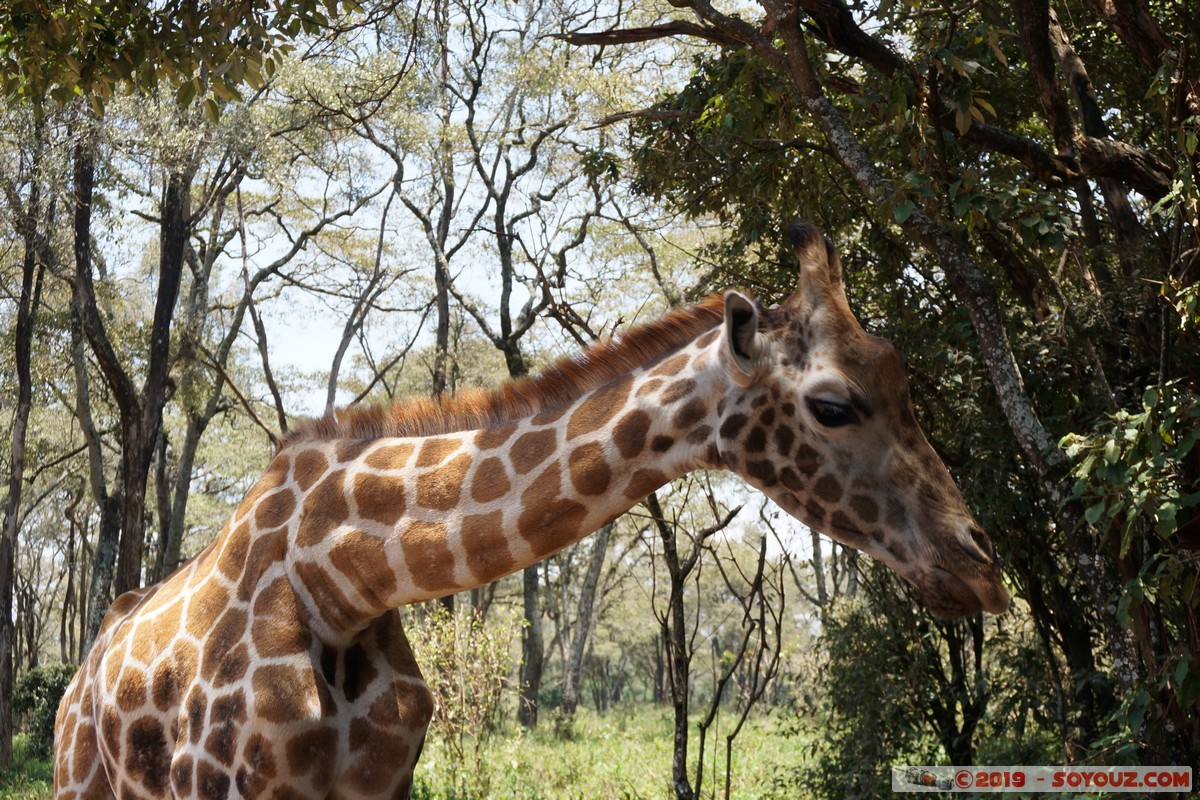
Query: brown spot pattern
{"points": [[762, 470], [131, 689], [630, 433], [206, 605], [281, 692], [828, 489], [791, 479], [649, 387], [233, 666], [311, 750], [531, 449], [550, 416], [671, 366], [379, 499], [325, 508], [440, 488], [164, 687], [392, 456], [733, 425], [689, 414], [807, 460], [147, 758], [85, 752], [784, 439], [491, 438], [220, 643], [643, 482], [547, 520], [233, 552], [327, 595], [358, 672], [435, 450], [267, 550], [349, 449], [598, 408], [258, 756], [275, 476], [488, 556], [678, 390], [310, 466], [181, 776], [589, 470], [275, 509], [211, 783], [362, 559], [864, 508], [490, 481], [276, 630], [429, 559]]}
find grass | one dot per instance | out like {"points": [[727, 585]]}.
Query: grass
{"points": [[27, 777], [624, 755]]}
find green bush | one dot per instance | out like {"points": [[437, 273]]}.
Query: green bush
{"points": [[466, 663], [35, 701]]}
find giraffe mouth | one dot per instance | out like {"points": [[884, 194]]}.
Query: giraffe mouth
{"points": [[947, 595]]}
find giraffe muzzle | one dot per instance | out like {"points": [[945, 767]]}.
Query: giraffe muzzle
{"points": [[948, 595]]}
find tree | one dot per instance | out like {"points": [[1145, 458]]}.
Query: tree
{"points": [[27, 202], [51, 51], [573, 661], [1001, 174]]}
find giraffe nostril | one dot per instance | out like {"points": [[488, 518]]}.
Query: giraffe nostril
{"points": [[986, 550]]}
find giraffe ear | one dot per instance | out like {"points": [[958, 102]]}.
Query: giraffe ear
{"points": [[820, 267], [744, 345]]}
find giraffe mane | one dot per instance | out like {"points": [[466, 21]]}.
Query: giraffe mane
{"points": [[564, 381]]}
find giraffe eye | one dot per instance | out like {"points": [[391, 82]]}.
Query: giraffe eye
{"points": [[832, 413]]}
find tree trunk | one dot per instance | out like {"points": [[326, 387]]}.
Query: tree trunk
{"points": [[142, 428], [660, 668], [532, 652], [678, 655], [181, 491], [31, 289], [108, 541], [573, 668], [162, 502]]}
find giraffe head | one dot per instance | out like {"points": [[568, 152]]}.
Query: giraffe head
{"points": [[820, 419]]}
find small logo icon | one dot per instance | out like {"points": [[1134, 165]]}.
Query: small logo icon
{"points": [[923, 777], [963, 779]]}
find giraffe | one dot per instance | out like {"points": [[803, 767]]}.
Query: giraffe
{"points": [[274, 663]]}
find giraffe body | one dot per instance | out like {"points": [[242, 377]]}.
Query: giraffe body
{"points": [[274, 663]]}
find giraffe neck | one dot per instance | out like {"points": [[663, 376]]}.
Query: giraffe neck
{"points": [[383, 523]]}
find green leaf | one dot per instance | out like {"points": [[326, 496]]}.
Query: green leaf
{"points": [[903, 211], [962, 120], [1093, 513], [1003, 59], [1181, 669], [185, 94]]}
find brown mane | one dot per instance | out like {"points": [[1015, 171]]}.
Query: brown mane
{"points": [[566, 380]]}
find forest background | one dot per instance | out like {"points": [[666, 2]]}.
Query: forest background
{"points": [[214, 220]]}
